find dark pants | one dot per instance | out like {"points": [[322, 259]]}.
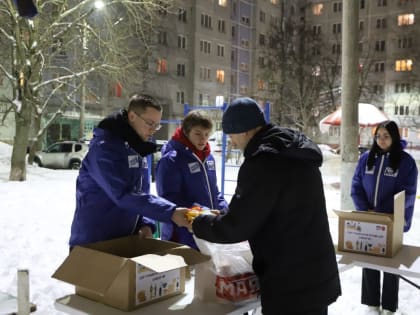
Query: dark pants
{"points": [[371, 289]]}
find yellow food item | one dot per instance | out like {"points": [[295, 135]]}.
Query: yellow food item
{"points": [[192, 213]]}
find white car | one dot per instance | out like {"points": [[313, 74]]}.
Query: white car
{"points": [[62, 155]]}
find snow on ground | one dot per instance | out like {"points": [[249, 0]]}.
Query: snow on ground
{"points": [[35, 218]]}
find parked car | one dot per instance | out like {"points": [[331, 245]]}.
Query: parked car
{"points": [[66, 154]]}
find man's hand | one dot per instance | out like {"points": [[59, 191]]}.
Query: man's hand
{"points": [[145, 232], [180, 217]]}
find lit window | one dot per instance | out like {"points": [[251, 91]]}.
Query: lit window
{"points": [[275, 2], [223, 3], [220, 76], [261, 85], [317, 9], [403, 65], [405, 19], [162, 66]]}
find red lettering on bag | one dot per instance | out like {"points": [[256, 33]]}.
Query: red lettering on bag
{"points": [[237, 288]]}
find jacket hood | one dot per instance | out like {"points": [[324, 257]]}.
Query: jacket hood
{"points": [[117, 124], [284, 142]]}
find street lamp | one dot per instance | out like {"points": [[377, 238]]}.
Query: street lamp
{"points": [[98, 5]]}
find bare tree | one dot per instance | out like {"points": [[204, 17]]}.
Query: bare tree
{"points": [[111, 45]]}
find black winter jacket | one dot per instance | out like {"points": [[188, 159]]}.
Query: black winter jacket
{"points": [[279, 206]]}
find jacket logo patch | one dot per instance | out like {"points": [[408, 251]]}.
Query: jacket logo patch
{"points": [[144, 163], [390, 172], [133, 161], [211, 165], [194, 167]]}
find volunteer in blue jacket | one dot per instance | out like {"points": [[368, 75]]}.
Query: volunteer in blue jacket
{"points": [[186, 173], [381, 173], [112, 189], [279, 207]]}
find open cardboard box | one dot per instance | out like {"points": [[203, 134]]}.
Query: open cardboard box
{"points": [[372, 233], [129, 272]]}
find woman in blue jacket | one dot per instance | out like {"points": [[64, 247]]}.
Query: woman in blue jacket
{"points": [[381, 173], [186, 173]]}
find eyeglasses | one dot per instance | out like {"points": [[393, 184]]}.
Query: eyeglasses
{"points": [[150, 124], [383, 137]]}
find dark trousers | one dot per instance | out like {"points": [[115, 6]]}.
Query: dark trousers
{"points": [[371, 289]]}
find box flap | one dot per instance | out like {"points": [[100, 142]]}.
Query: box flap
{"points": [[365, 215], [90, 269], [171, 258], [160, 263]]}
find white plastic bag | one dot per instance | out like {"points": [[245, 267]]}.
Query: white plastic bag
{"points": [[228, 277]]}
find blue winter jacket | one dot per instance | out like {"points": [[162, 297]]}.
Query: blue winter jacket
{"points": [[184, 179], [375, 189], [112, 190]]}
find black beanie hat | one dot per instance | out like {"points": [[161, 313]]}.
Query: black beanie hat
{"points": [[241, 115]]}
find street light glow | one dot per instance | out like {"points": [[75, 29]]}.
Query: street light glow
{"points": [[99, 4]]}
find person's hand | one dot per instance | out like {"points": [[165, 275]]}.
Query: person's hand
{"points": [[145, 232], [179, 217]]}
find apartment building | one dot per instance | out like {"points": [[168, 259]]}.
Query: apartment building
{"points": [[388, 54]]}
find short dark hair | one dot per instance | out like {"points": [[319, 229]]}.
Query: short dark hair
{"points": [[142, 102], [395, 150], [196, 118]]}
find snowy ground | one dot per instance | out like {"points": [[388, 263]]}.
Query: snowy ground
{"points": [[35, 218]]}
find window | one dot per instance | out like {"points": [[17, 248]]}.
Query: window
{"points": [[336, 49], [403, 65], [223, 3], [245, 20], [261, 85], [182, 15], [405, 42], [244, 67], [162, 66], [245, 43], [262, 16], [205, 73], [402, 87], [221, 26], [162, 38], [381, 23], [361, 25], [381, 3], [380, 45], [261, 61], [401, 110], [180, 70], [316, 29], [262, 39], [243, 89], [316, 51], [405, 19], [380, 66], [205, 46], [220, 76], [362, 4], [115, 89], [378, 89], [317, 9], [220, 50], [275, 2], [337, 28], [180, 97], [337, 6], [205, 20], [182, 42], [233, 32]]}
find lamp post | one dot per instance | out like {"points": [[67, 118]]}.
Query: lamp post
{"points": [[99, 4], [83, 86]]}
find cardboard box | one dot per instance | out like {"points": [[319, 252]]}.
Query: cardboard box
{"points": [[370, 232], [129, 272]]}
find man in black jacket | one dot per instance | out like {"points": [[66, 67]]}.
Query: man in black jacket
{"points": [[279, 207]]}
